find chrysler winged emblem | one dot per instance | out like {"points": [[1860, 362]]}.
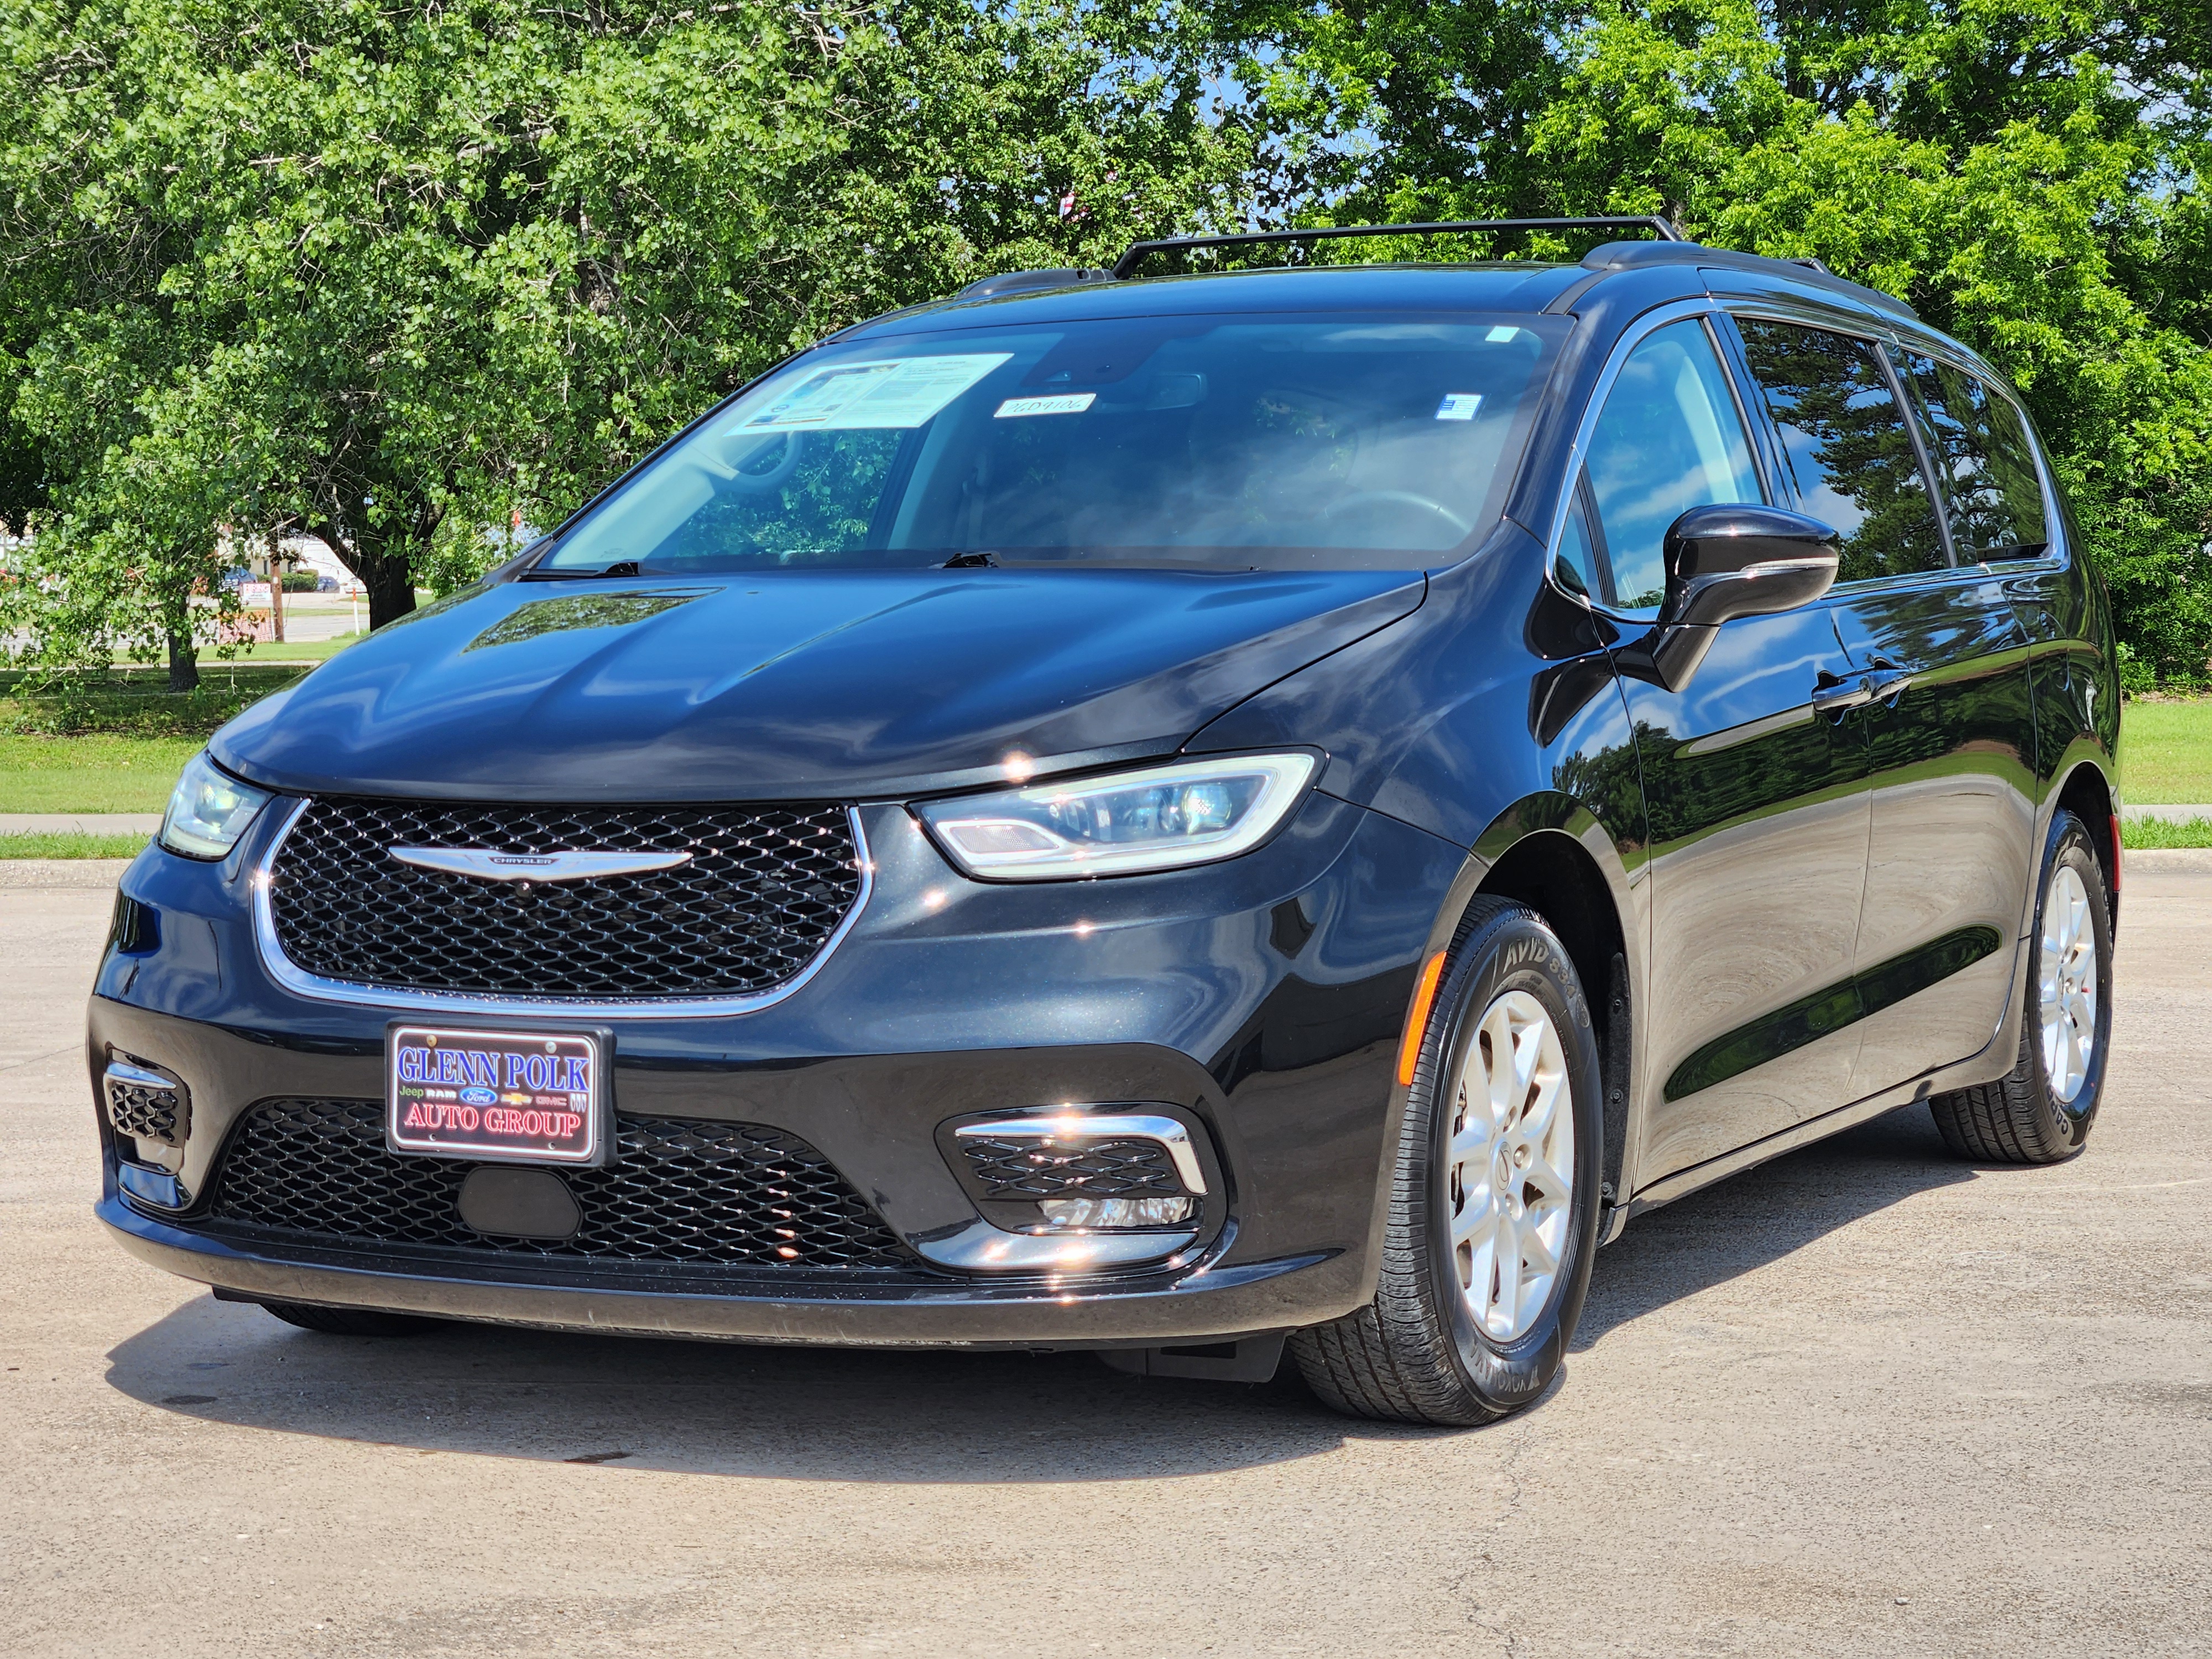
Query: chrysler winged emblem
{"points": [[486, 864]]}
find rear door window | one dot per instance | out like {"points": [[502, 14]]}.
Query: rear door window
{"points": [[1847, 446], [1670, 438], [1986, 459]]}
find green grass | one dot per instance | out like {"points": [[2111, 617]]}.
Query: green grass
{"points": [[2145, 832], [136, 701], [43, 846], [107, 773], [2166, 753], [314, 651]]}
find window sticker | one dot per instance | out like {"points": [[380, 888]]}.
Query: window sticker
{"points": [[1503, 331], [873, 396], [1459, 405], [1065, 403]]}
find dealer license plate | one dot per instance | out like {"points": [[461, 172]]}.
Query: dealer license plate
{"points": [[500, 1096]]}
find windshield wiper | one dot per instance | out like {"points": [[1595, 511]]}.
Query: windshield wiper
{"points": [[976, 561]]}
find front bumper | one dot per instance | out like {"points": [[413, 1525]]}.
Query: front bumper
{"points": [[1207, 1301], [1260, 999]]}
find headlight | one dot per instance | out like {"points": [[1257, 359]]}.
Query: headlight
{"points": [[208, 810], [1161, 818]]}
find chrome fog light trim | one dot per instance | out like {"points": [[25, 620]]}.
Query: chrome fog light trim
{"points": [[1117, 1212], [156, 1188], [145, 1105], [979, 1247], [1078, 1127]]}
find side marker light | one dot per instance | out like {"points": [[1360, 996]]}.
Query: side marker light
{"points": [[1417, 1018]]}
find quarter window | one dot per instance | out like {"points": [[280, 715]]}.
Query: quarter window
{"points": [[1577, 564], [1847, 447], [1668, 439], [1986, 459]]}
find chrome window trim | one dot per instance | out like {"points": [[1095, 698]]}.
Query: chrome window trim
{"points": [[1651, 322], [297, 980]]}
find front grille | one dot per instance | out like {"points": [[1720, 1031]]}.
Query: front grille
{"points": [[765, 889], [678, 1192], [1023, 1167]]}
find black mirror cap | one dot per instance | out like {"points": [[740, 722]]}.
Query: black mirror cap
{"points": [[1744, 560]]}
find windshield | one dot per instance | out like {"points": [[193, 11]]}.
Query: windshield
{"points": [[1232, 445]]}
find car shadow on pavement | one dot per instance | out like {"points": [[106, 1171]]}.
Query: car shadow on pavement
{"points": [[870, 1415], [722, 1408], [1743, 1223]]}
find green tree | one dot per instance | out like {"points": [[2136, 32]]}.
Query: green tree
{"points": [[404, 277], [2030, 176]]}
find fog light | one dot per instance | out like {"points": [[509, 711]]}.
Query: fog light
{"points": [[1117, 1211]]}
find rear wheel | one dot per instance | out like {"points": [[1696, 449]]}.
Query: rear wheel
{"points": [[2041, 1111], [349, 1322], [1493, 1207]]}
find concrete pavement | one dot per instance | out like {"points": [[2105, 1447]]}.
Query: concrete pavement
{"points": [[1865, 1399]]}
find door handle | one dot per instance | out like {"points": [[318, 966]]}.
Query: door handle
{"points": [[1834, 696], [1891, 683]]}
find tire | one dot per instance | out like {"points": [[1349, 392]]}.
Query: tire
{"points": [[1422, 1350], [2032, 1116], [349, 1322]]}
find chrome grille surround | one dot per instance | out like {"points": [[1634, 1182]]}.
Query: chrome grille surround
{"points": [[658, 1001]]}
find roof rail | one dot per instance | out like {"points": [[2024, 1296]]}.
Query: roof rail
{"points": [[1138, 252], [1018, 281], [1623, 256]]}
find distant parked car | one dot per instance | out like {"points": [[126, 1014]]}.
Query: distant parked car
{"points": [[1159, 817]]}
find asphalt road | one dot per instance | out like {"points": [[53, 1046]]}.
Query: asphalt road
{"points": [[1865, 1399]]}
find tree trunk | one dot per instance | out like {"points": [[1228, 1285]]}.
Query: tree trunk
{"points": [[183, 663], [390, 587]]}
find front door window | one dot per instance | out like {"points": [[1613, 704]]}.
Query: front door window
{"points": [[1668, 439]]}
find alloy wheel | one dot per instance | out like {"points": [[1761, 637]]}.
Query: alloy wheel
{"points": [[2066, 984], [1508, 1168]]}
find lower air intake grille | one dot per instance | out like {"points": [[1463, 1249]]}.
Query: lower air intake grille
{"points": [[759, 896], [145, 1112], [1016, 1168], [679, 1192]]}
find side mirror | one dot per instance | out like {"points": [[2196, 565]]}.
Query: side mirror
{"points": [[1738, 560]]}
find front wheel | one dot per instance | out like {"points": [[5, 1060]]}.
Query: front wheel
{"points": [[2041, 1111], [1493, 1206]]}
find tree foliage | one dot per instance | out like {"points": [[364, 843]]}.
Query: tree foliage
{"points": [[396, 275], [2029, 174], [403, 274]]}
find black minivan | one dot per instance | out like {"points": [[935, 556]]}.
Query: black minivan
{"points": [[1168, 816]]}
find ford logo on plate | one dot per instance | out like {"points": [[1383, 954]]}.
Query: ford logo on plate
{"points": [[479, 1097]]}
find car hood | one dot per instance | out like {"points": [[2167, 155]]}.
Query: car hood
{"points": [[792, 685]]}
